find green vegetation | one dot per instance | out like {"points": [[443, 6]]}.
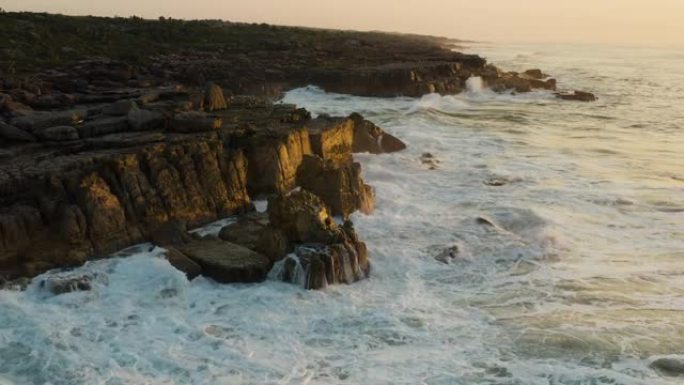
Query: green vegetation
{"points": [[31, 42]]}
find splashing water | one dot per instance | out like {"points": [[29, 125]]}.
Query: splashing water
{"points": [[559, 232], [474, 85]]}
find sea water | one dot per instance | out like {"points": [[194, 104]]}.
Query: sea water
{"points": [[541, 244]]}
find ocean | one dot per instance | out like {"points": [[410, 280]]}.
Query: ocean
{"points": [[519, 240]]}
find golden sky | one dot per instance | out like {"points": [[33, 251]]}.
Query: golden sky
{"points": [[631, 22]]}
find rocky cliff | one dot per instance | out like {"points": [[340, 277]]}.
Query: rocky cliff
{"points": [[98, 154]]}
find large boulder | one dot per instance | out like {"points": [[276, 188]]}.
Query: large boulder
{"points": [[370, 138], [303, 217], [340, 186], [182, 263], [227, 262], [14, 134], [254, 232]]}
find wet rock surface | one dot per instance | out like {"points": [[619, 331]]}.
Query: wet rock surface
{"points": [[227, 262]]}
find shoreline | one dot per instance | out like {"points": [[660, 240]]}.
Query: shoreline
{"points": [[101, 154]]}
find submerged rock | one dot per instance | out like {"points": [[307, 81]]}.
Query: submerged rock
{"points": [[57, 285], [671, 367], [579, 96], [447, 254], [429, 160], [227, 262]]}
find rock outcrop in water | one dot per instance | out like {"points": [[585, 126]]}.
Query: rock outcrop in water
{"points": [[102, 153]]}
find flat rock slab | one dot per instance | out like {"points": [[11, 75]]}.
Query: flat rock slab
{"points": [[227, 262]]}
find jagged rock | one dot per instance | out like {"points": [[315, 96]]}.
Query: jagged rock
{"points": [[227, 262], [274, 158], [194, 121], [59, 286], [213, 98], [119, 108], [579, 96], [59, 133], [671, 367], [370, 138], [182, 263], [103, 126], [316, 265], [144, 120], [332, 138], [340, 186], [303, 217], [39, 120], [12, 133]]}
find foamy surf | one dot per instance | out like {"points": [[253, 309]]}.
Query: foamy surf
{"points": [[523, 257]]}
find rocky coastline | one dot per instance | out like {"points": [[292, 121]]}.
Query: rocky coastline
{"points": [[101, 153]]}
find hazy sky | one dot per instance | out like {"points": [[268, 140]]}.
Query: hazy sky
{"points": [[638, 22]]}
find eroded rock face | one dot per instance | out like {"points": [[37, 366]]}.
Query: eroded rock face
{"points": [[274, 158], [332, 138], [303, 217], [68, 208], [340, 186], [227, 262], [317, 265]]}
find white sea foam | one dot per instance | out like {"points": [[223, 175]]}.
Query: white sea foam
{"points": [[572, 275]]}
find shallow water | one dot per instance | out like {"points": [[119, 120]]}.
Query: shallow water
{"points": [[567, 220]]}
